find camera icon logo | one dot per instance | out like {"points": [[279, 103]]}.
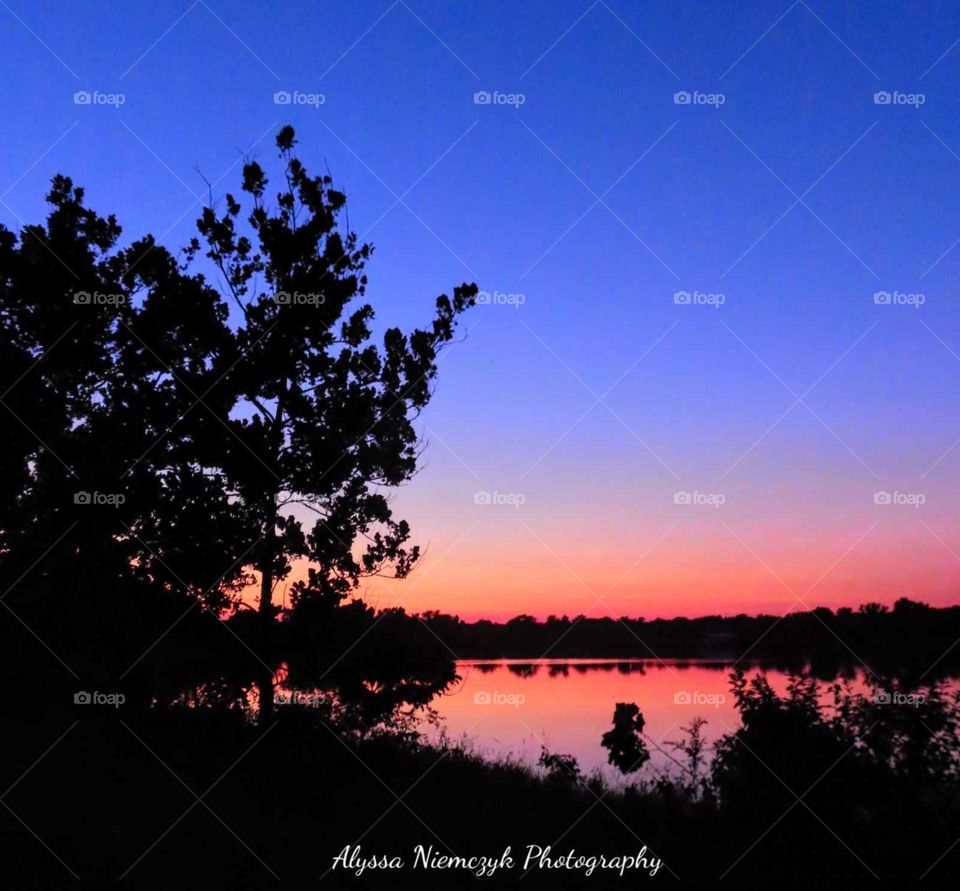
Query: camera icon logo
{"points": [[82, 297], [881, 97], [682, 97], [82, 498], [681, 697], [882, 298], [882, 498], [682, 498], [482, 97], [481, 697], [82, 697], [681, 297], [82, 97], [282, 97], [481, 498]]}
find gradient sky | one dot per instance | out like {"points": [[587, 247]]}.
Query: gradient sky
{"points": [[596, 199]]}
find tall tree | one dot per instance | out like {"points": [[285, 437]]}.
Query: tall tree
{"points": [[322, 419], [210, 422], [111, 508]]}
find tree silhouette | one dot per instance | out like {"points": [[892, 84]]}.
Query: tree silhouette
{"points": [[111, 507], [205, 415], [626, 749], [321, 416]]}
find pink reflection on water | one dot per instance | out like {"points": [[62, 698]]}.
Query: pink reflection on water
{"points": [[512, 707]]}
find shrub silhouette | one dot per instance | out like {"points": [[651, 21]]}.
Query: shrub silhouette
{"points": [[626, 748], [559, 767]]}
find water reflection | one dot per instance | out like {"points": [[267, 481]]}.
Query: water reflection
{"points": [[511, 708]]}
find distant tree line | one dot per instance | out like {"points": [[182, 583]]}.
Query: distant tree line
{"points": [[911, 637]]}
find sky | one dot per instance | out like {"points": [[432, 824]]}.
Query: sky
{"points": [[717, 365]]}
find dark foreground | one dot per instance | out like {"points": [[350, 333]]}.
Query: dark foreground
{"points": [[204, 799]]}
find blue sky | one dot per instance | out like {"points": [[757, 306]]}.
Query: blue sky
{"points": [[794, 195]]}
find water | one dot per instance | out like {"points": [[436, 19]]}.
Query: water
{"points": [[512, 707]]}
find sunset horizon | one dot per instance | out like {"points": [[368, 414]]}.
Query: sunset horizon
{"points": [[480, 442]]}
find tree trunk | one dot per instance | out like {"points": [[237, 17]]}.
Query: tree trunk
{"points": [[265, 677], [266, 591], [265, 682]]}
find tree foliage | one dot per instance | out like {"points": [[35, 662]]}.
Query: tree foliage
{"points": [[182, 425]]}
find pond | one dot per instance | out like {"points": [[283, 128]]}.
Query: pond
{"points": [[510, 708]]}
